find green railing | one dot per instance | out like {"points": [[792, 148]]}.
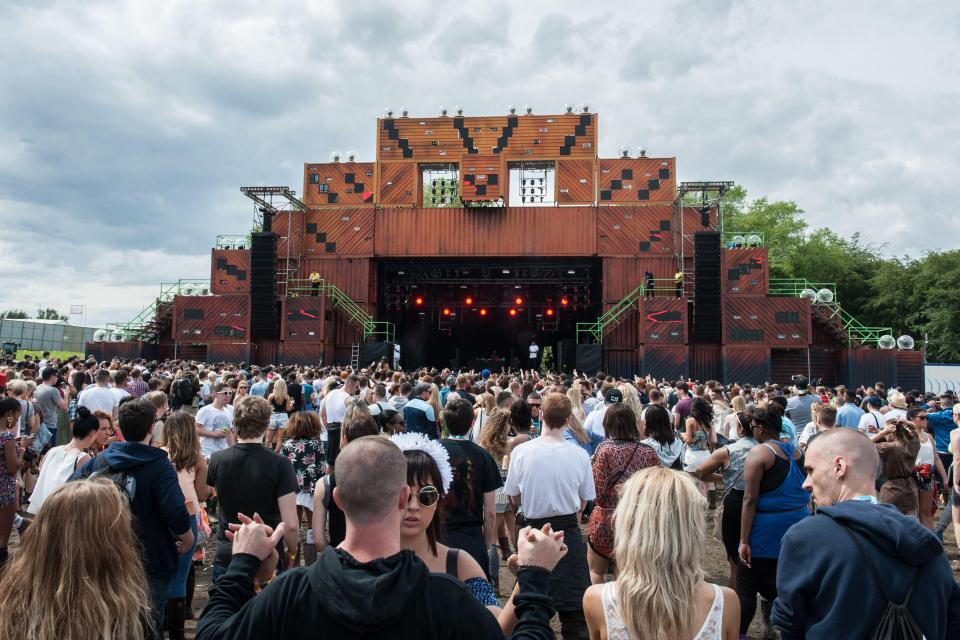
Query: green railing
{"points": [[136, 326], [742, 239], [594, 331], [856, 331], [343, 303], [233, 242]]}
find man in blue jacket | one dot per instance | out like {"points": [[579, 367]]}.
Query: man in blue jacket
{"points": [[825, 586], [418, 413], [160, 514]]}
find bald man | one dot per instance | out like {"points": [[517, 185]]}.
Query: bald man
{"points": [[824, 582]]}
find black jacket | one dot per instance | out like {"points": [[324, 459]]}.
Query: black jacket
{"points": [[825, 590], [338, 597]]}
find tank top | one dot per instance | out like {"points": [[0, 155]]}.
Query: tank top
{"points": [[733, 472], [925, 455], [616, 630]]}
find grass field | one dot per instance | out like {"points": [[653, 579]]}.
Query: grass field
{"points": [[63, 355]]}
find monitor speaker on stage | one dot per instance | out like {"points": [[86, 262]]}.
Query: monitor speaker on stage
{"points": [[589, 358], [567, 355], [375, 352]]}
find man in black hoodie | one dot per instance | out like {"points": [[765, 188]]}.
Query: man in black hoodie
{"points": [[824, 582], [368, 586]]}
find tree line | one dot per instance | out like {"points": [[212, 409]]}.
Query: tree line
{"points": [[42, 314]]}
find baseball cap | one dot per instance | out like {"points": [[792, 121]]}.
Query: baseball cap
{"points": [[612, 396], [873, 401], [421, 388], [485, 374]]}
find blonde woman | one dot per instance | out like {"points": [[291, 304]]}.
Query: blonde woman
{"points": [[486, 405], [575, 432], [281, 404], [660, 592], [631, 398], [434, 402], [731, 423], [576, 403], [102, 576]]}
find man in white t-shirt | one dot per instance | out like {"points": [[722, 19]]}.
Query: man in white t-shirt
{"points": [[215, 421], [332, 412], [552, 480], [898, 406], [119, 389], [594, 421], [871, 423], [534, 354], [99, 397]]}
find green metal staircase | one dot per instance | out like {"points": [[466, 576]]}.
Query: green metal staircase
{"points": [[844, 325], [345, 305], [594, 331], [154, 318]]}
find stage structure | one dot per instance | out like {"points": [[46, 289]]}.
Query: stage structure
{"points": [[469, 237]]}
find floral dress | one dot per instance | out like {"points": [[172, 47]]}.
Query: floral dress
{"points": [[308, 461], [8, 481]]}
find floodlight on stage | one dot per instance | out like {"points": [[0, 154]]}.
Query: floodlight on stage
{"points": [[642, 152], [568, 108], [418, 300], [528, 109], [586, 108], [351, 156], [512, 110], [513, 312], [564, 301], [624, 152], [446, 312], [469, 300], [518, 301], [549, 312], [886, 342], [905, 343], [458, 110], [738, 241], [443, 110], [403, 112], [387, 111], [483, 312], [334, 156]]}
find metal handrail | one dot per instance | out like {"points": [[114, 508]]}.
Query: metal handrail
{"points": [[346, 305], [168, 290], [612, 316], [233, 242], [856, 331]]}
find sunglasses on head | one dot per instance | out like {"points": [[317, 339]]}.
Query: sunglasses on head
{"points": [[427, 496]]}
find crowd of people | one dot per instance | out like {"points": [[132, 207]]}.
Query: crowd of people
{"points": [[384, 503]]}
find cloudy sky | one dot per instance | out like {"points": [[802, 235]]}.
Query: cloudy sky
{"points": [[128, 127]]}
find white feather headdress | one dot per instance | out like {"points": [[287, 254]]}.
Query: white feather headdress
{"points": [[413, 441]]}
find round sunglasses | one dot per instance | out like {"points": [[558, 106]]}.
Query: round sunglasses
{"points": [[427, 496]]}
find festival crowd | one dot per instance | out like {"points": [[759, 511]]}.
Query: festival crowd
{"points": [[384, 503]]}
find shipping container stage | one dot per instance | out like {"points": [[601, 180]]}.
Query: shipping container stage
{"points": [[470, 237]]}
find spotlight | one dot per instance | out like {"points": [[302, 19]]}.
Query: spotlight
{"points": [[518, 301], [443, 110], [334, 156], [387, 111], [549, 312], [512, 110], [643, 152], [418, 300], [528, 109], [568, 108], [446, 312], [513, 312], [403, 112], [469, 300], [624, 152], [483, 312], [586, 108], [564, 301], [351, 156], [458, 110]]}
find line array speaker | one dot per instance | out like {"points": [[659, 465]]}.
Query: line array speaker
{"points": [[264, 308], [706, 287]]}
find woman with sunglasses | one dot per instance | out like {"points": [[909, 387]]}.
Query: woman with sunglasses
{"points": [[927, 467], [429, 475]]}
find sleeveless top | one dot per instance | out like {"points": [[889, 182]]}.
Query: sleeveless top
{"points": [[616, 630], [58, 466], [733, 472], [925, 455], [781, 504]]}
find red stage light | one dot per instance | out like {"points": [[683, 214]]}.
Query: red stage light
{"points": [[446, 312], [518, 300], [418, 300], [469, 300], [483, 312], [513, 312], [549, 312], [564, 301]]}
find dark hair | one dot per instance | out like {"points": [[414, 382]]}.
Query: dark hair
{"points": [[502, 397], [702, 412], [743, 424], [303, 425], [422, 470], [770, 419], [47, 373], [521, 416], [779, 400], [85, 424], [913, 412], [120, 377], [620, 422], [78, 380], [135, 418], [657, 420], [9, 405], [458, 416]]}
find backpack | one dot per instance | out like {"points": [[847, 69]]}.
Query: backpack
{"points": [[126, 482], [183, 391], [896, 622]]}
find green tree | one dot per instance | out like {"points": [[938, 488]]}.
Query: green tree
{"points": [[781, 223], [14, 314], [49, 314]]}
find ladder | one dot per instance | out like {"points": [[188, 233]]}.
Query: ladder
{"points": [[355, 356]]}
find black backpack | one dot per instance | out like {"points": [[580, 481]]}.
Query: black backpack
{"points": [[183, 391], [896, 622], [126, 482]]}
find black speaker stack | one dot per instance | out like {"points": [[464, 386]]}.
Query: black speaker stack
{"points": [[264, 310], [706, 287]]}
